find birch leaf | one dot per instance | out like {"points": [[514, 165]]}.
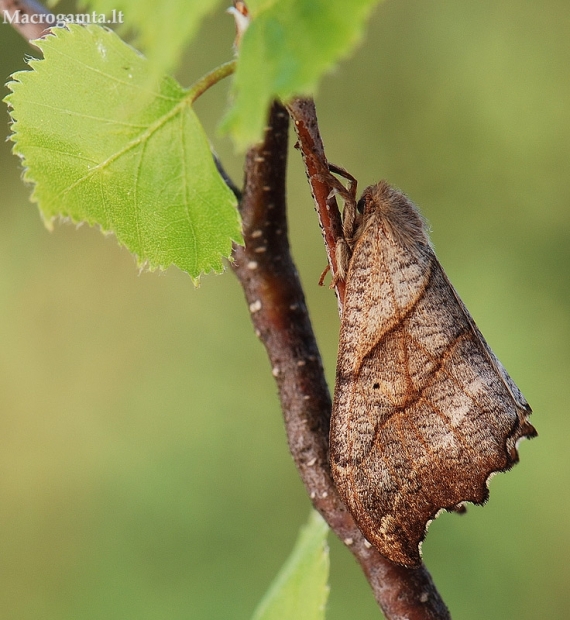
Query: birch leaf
{"points": [[106, 144]]}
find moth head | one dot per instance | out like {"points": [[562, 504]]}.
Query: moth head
{"points": [[401, 217]]}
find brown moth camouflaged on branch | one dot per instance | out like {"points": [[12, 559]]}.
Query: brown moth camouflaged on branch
{"points": [[423, 411]]}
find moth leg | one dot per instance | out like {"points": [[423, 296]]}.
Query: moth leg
{"points": [[342, 258], [342, 255], [350, 219], [323, 275], [348, 195], [352, 182], [337, 187]]}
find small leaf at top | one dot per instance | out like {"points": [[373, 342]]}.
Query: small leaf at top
{"points": [[104, 145], [163, 29], [300, 589], [288, 46]]}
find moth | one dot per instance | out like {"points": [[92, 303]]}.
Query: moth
{"points": [[423, 412]]}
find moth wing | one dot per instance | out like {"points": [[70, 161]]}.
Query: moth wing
{"points": [[524, 429], [423, 412], [378, 291]]}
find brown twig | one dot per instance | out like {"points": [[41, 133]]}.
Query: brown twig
{"points": [[280, 317], [34, 26], [303, 112]]}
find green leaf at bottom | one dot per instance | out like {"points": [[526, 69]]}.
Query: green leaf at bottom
{"points": [[104, 144], [300, 590]]}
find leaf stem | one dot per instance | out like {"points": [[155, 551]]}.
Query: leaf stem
{"points": [[213, 77]]}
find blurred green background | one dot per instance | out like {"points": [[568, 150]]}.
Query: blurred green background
{"points": [[144, 472]]}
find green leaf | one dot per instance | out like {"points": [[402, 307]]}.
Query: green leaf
{"points": [[285, 51], [300, 589], [163, 29], [104, 145]]}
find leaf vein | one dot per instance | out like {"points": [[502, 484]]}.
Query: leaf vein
{"points": [[110, 76], [158, 124]]}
